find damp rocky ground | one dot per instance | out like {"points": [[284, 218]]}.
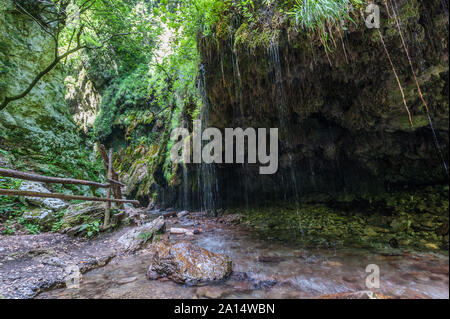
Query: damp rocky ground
{"points": [[30, 264], [264, 268]]}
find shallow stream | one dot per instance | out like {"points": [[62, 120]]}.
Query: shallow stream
{"points": [[267, 269]]}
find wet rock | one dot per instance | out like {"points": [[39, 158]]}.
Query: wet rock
{"points": [[264, 284], [50, 203], [242, 286], [186, 263], [435, 278], [231, 219], [388, 254], [440, 270], [356, 295], [420, 266], [300, 254], [182, 214], [270, 259], [350, 279], [261, 281], [421, 277], [211, 292], [184, 231], [138, 237], [410, 276], [334, 264], [239, 276], [127, 280], [138, 216], [170, 215]]}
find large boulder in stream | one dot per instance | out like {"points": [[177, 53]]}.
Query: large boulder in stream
{"points": [[138, 237], [186, 263]]}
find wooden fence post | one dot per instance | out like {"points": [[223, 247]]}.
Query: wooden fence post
{"points": [[108, 193], [116, 187]]}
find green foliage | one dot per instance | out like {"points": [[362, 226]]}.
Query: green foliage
{"points": [[11, 208], [193, 17], [14, 221], [91, 229], [9, 228], [129, 92], [321, 16], [129, 27], [79, 165], [317, 14], [10, 183], [32, 229], [56, 227], [10, 205], [148, 102], [145, 236]]}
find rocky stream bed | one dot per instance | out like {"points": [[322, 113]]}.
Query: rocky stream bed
{"points": [[34, 266]]}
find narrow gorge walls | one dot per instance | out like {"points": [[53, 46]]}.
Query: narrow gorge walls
{"points": [[37, 131], [343, 126]]}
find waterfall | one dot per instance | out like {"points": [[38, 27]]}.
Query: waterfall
{"points": [[245, 168], [285, 128], [239, 98], [185, 196], [208, 185], [438, 146], [185, 187]]}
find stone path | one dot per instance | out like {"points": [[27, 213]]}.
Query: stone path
{"points": [[30, 264]]}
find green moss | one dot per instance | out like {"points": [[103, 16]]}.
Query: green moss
{"points": [[405, 219]]}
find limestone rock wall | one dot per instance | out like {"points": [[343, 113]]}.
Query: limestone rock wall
{"points": [[37, 129], [343, 127]]}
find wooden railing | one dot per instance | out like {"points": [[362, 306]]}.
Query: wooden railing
{"points": [[114, 186]]}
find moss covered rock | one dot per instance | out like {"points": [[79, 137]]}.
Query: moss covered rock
{"points": [[38, 130]]}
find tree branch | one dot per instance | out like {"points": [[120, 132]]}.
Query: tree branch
{"points": [[60, 17], [57, 59]]}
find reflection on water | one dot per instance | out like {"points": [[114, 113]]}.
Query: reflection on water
{"points": [[264, 269]]}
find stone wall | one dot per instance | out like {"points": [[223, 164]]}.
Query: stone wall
{"points": [[37, 130], [343, 126]]}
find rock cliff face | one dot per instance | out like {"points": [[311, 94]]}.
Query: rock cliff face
{"points": [[342, 123], [38, 126]]}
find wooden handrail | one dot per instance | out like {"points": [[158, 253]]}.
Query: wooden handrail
{"points": [[113, 186], [47, 179], [113, 181], [14, 192]]}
